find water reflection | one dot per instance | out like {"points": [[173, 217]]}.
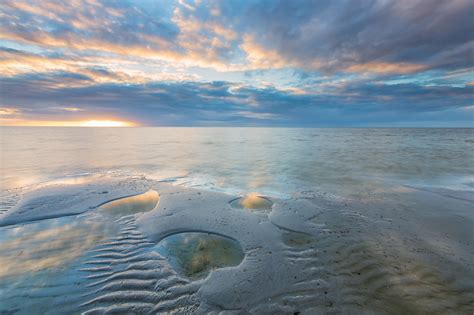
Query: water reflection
{"points": [[131, 205], [45, 244], [195, 254], [275, 161], [252, 201]]}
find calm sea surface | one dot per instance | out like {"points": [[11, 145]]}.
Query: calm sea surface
{"points": [[275, 161]]}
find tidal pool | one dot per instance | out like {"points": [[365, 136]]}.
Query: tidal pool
{"points": [[252, 201], [46, 244], [195, 254], [131, 205], [39, 263]]}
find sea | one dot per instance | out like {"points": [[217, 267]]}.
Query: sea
{"points": [[273, 161]]}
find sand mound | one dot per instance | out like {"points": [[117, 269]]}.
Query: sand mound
{"points": [[53, 201]]}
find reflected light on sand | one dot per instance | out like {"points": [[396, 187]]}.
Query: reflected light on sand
{"points": [[71, 180]]}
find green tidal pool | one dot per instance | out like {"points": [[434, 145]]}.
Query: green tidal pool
{"points": [[195, 254]]}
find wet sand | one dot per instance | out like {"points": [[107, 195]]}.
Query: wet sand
{"points": [[97, 247]]}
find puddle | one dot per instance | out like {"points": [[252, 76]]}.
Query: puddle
{"points": [[131, 205], [252, 201], [39, 263], [47, 244], [195, 254]]}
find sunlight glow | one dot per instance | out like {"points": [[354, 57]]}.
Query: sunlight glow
{"points": [[72, 123], [106, 123]]}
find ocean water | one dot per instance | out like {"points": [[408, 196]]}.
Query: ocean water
{"points": [[273, 161]]}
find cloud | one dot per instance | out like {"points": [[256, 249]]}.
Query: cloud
{"points": [[385, 67], [8, 111], [380, 35], [257, 115], [70, 109], [232, 62], [335, 35], [200, 103]]}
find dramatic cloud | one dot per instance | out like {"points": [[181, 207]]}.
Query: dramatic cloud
{"points": [[285, 63], [398, 36]]}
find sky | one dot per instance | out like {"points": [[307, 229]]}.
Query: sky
{"points": [[368, 63]]}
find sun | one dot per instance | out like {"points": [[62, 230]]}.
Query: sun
{"points": [[106, 123]]}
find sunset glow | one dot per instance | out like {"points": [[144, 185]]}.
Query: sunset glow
{"points": [[106, 123], [82, 123]]}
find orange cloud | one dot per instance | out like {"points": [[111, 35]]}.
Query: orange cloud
{"points": [[111, 69], [385, 68], [198, 43], [34, 9], [8, 111], [259, 57]]}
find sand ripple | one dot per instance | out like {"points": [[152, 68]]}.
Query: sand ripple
{"points": [[124, 278], [306, 254]]}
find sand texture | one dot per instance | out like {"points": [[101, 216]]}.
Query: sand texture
{"points": [[111, 245]]}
